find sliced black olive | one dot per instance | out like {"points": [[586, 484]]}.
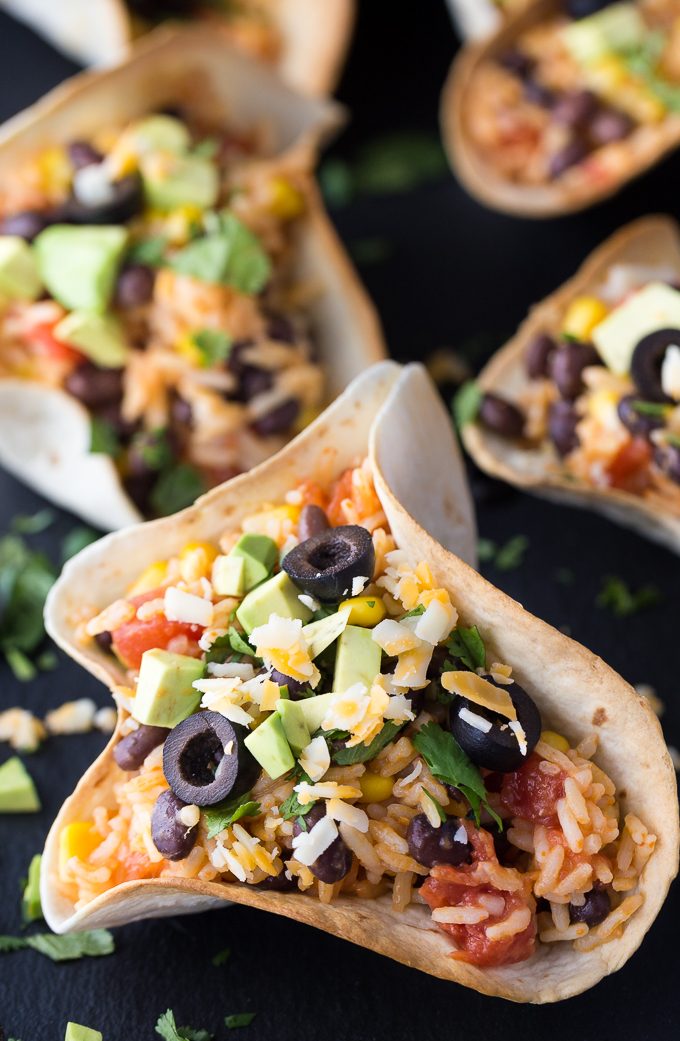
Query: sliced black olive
{"points": [[170, 836], [132, 750], [594, 910], [326, 565], [127, 202], [430, 846], [645, 366], [498, 748], [205, 760], [334, 863]]}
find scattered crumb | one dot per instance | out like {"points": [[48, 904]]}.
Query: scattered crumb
{"points": [[646, 690]]}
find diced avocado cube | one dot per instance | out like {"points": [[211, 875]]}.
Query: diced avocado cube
{"points": [[31, 907], [19, 274], [165, 695], [79, 264], [98, 336], [75, 1032], [294, 725], [657, 306], [278, 596], [259, 554], [183, 180], [314, 709], [269, 746], [357, 660], [17, 790], [159, 134], [228, 576], [615, 29], [320, 635]]}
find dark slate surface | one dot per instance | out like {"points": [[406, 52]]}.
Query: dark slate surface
{"points": [[456, 274]]}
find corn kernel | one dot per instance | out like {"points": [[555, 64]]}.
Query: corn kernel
{"points": [[555, 740], [179, 223], [196, 560], [364, 610], [583, 314], [375, 788], [56, 170], [188, 349], [77, 839], [285, 200], [151, 578]]}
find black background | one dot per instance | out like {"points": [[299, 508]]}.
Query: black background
{"points": [[456, 275]]}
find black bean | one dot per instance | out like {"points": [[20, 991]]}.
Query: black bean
{"points": [[538, 354], [279, 420], [594, 910], [134, 286], [517, 62], [280, 328], [567, 365], [640, 423], [104, 641], [254, 381], [538, 94], [82, 153], [278, 883], [501, 416], [313, 521], [608, 125], [334, 862], [151, 451], [575, 108], [570, 155], [139, 488], [132, 750], [297, 689], [26, 225], [111, 414], [430, 846], [126, 202], [94, 385], [170, 837], [667, 458], [562, 421], [181, 412]]}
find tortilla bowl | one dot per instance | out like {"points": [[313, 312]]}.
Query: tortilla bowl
{"points": [[554, 199], [650, 241], [44, 432], [314, 37], [388, 412]]}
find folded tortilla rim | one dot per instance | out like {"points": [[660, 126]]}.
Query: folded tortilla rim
{"points": [[503, 459], [410, 937], [482, 179]]}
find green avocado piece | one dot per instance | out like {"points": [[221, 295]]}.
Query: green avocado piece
{"points": [[314, 709], [278, 596], [357, 660], [98, 336], [228, 576], [165, 695], [269, 746], [616, 28], [259, 554], [181, 180], [19, 274], [160, 134], [79, 263], [294, 724], [17, 790], [31, 907], [320, 635], [74, 1032]]}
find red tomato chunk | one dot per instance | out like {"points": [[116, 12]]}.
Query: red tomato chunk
{"points": [[132, 639], [531, 794]]}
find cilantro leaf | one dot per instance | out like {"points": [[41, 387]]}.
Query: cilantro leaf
{"points": [[77, 539], [415, 613], [214, 346], [25, 580], [448, 763], [177, 487], [222, 814], [228, 255], [506, 557], [468, 646], [291, 807], [34, 523], [103, 438], [93, 944], [239, 1019], [169, 1031], [230, 642], [221, 957], [650, 408], [11, 943], [622, 601], [466, 404], [148, 251], [363, 753]]}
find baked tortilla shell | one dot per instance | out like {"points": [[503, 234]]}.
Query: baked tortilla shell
{"points": [[570, 684], [314, 37], [44, 432], [651, 241], [651, 143]]}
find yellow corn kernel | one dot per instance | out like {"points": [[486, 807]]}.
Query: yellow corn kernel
{"points": [[151, 578], [55, 170], [607, 75], [375, 788], [285, 200], [196, 560], [583, 314], [364, 610], [555, 740], [602, 405], [179, 223], [186, 346], [77, 839]]}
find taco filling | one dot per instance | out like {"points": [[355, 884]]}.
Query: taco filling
{"points": [[306, 711], [604, 387], [567, 101], [249, 25], [148, 273]]}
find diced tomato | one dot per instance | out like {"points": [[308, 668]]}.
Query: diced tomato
{"points": [[341, 491], [135, 866], [629, 469], [312, 494], [531, 794], [42, 338], [132, 639]]}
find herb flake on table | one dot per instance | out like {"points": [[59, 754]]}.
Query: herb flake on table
{"points": [[448, 763], [75, 540], [507, 557], [33, 523], [390, 164], [617, 596], [26, 577], [167, 1028], [222, 957], [94, 944], [239, 1019]]}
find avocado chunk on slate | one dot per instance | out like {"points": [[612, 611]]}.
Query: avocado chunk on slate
{"points": [[17, 791], [278, 596], [357, 660], [19, 275], [75, 1032], [268, 744], [79, 264], [259, 554], [97, 336], [165, 695], [294, 724]]}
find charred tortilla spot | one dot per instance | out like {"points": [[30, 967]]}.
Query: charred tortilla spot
{"points": [[599, 717]]}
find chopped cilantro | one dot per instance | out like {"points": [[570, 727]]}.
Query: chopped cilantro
{"points": [[169, 1031], [31, 908], [25, 580], [649, 408], [363, 753], [23, 668], [391, 163], [77, 539], [239, 1019], [645, 61], [449, 763], [154, 449], [370, 251], [291, 807], [214, 346], [468, 646], [230, 642], [565, 576], [93, 944], [622, 601], [149, 251], [103, 438], [222, 814], [221, 957], [506, 557], [177, 487], [230, 254], [486, 550], [34, 523], [415, 613], [466, 403]]}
